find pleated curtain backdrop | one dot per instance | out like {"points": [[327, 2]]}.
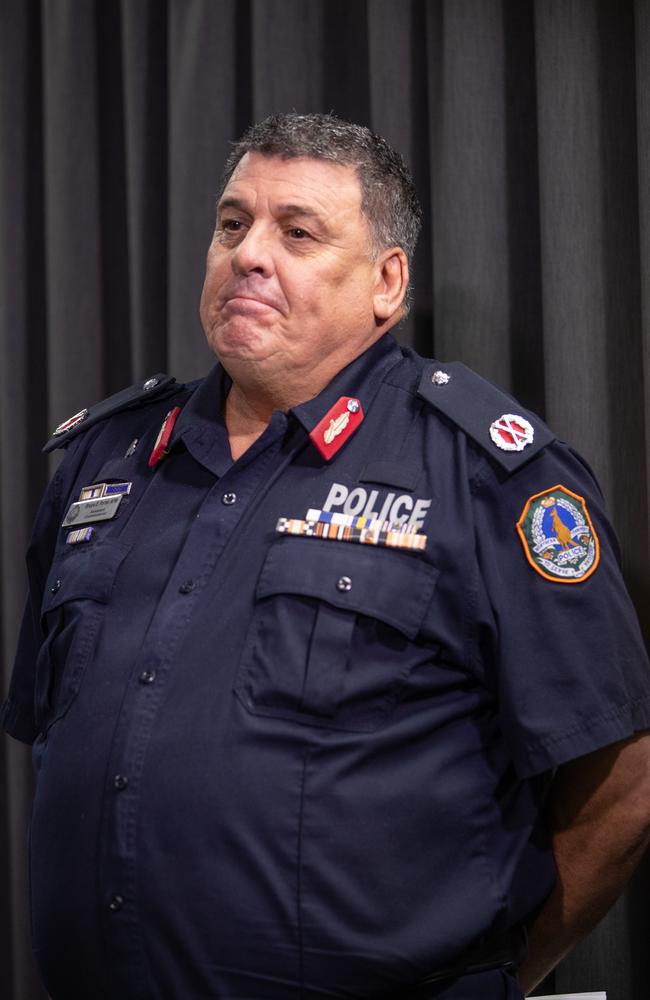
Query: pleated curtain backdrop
{"points": [[527, 127]]}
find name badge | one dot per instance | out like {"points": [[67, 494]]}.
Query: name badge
{"points": [[85, 511]]}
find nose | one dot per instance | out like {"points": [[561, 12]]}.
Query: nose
{"points": [[254, 253]]}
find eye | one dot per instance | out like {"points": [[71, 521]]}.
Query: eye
{"points": [[297, 233], [231, 225]]}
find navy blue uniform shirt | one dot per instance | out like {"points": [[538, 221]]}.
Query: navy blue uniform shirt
{"points": [[282, 766]]}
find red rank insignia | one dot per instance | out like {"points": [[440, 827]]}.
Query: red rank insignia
{"points": [[337, 426], [164, 434]]}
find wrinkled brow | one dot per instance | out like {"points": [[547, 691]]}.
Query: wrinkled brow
{"points": [[289, 209]]}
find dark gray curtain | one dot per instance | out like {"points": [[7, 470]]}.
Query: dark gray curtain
{"points": [[527, 126]]}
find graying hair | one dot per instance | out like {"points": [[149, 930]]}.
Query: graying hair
{"points": [[388, 198]]}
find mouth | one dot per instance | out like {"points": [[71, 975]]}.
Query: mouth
{"points": [[248, 304]]}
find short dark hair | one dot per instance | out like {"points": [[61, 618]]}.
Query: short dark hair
{"points": [[388, 198]]}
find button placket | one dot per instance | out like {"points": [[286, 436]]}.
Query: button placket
{"points": [[216, 519]]}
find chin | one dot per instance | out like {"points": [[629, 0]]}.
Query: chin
{"points": [[238, 341]]}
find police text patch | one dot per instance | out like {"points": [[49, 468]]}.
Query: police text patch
{"points": [[558, 537]]}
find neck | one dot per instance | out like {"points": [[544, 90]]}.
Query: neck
{"points": [[247, 417], [257, 391], [249, 409]]}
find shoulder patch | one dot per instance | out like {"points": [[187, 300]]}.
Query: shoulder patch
{"points": [[510, 434], [559, 540], [156, 387]]}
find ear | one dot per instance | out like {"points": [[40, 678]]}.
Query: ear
{"points": [[391, 284]]}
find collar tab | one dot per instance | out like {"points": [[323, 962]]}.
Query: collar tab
{"points": [[339, 423]]}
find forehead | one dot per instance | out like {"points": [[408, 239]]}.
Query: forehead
{"points": [[318, 184]]}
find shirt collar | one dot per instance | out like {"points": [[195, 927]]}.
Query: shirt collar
{"points": [[201, 424], [360, 379]]}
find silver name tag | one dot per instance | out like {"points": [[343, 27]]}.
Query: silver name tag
{"points": [[84, 511]]}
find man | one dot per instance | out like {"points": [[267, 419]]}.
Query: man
{"points": [[332, 680]]}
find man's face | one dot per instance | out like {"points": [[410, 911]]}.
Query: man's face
{"points": [[289, 278]]}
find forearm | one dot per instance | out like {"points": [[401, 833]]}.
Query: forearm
{"points": [[590, 878], [599, 817]]}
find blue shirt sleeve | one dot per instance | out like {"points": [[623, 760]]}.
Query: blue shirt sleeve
{"points": [[567, 660]]}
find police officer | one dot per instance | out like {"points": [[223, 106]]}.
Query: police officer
{"points": [[333, 685]]}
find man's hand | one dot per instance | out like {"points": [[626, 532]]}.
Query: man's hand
{"points": [[599, 815]]}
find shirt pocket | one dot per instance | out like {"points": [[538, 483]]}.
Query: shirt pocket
{"points": [[333, 638], [77, 590]]}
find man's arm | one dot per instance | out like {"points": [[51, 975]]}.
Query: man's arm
{"points": [[599, 815]]}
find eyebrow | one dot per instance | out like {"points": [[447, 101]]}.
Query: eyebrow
{"points": [[303, 210], [231, 203], [283, 210]]}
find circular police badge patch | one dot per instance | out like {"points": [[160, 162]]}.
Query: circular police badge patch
{"points": [[558, 537]]}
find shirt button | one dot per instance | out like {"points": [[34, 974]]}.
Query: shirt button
{"points": [[56, 586], [344, 583], [120, 781], [116, 903], [187, 587], [147, 676], [229, 499]]}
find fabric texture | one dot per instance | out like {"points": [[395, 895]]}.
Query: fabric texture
{"points": [[527, 127]]}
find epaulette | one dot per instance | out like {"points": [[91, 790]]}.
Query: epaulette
{"points": [[510, 434], [156, 387]]}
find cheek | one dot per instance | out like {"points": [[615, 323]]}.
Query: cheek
{"points": [[205, 301], [349, 296], [310, 296], [216, 272], [324, 292]]}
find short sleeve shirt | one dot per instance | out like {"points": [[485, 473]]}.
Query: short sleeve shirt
{"points": [[277, 758]]}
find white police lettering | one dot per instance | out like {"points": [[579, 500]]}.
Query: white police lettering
{"points": [[404, 501], [398, 509]]}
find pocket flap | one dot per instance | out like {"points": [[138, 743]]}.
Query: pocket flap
{"points": [[393, 586], [83, 573]]}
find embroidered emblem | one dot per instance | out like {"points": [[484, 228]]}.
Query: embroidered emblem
{"points": [[558, 537], [336, 427], [339, 423], [71, 422], [511, 432], [160, 449]]}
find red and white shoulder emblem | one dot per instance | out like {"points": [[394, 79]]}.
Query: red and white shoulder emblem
{"points": [[512, 432], [71, 422]]}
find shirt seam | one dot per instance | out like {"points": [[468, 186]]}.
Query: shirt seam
{"points": [[609, 716]]}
